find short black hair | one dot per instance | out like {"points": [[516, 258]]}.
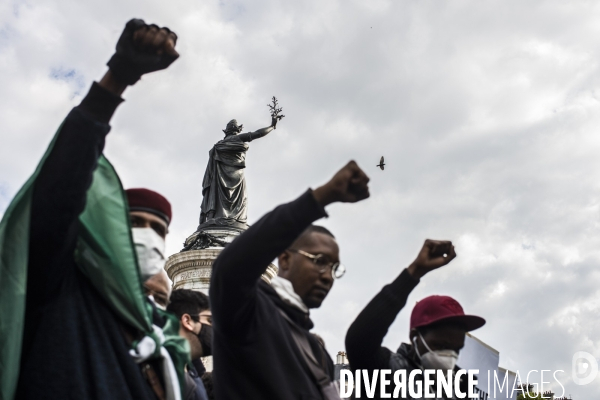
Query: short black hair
{"points": [[317, 228], [311, 229], [185, 301]]}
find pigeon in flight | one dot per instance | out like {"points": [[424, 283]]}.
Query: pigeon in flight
{"points": [[381, 164]]}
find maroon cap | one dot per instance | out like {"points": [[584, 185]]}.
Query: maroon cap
{"points": [[149, 201], [434, 309]]}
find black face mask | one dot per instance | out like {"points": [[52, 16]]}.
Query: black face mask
{"points": [[205, 337]]}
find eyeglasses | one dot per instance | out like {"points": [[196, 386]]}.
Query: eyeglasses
{"points": [[322, 262]]}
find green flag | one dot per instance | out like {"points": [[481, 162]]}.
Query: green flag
{"points": [[106, 255]]}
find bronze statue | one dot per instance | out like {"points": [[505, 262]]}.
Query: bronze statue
{"points": [[225, 200]]}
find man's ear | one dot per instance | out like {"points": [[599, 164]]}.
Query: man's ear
{"points": [[413, 334], [284, 261], [187, 322]]}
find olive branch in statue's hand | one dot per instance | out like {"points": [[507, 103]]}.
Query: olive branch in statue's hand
{"points": [[275, 110]]}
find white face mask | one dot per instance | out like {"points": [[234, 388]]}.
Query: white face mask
{"points": [[150, 248], [436, 359]]}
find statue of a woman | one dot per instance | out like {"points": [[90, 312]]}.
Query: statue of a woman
{"points": [[225, 201]]}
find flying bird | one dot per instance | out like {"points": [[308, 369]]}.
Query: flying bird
{"points": [[381, 164]]}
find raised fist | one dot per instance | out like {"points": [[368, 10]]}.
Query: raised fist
{"points": [[348, 185], [433, 255], [141, 49]]}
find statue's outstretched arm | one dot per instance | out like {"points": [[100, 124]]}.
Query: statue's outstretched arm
{"points": [[250, 136]]}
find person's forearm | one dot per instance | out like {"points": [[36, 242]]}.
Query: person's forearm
{"points": [[66, 173], [60, 189], [253, 250], [100, 103], [366, 334], [239, 266]]}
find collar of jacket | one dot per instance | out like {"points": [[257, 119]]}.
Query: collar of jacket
{"points": [[403, 358], [285, 290], [299, 317]]}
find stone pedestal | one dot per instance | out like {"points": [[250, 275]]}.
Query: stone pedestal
{"points": [[192, 269]]}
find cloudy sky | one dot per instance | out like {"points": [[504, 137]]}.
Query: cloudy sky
{"points": [[487, 113]]}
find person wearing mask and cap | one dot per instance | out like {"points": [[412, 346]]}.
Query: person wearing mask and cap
{"points": [[75, 323], [438, 324], [150, 215], [193, 311]]}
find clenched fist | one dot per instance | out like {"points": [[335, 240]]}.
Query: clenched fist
{"points": [[141, 49], [348, 185], [433, 255]]}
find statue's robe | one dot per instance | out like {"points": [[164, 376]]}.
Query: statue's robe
{"points": [[224, 194]]}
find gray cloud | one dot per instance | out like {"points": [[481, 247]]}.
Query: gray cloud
{"points": [[487, 113]]}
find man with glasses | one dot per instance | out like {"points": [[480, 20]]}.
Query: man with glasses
{"points": [[193, 310], [307, 269], [262, 345]]}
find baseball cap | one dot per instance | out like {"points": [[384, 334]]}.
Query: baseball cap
{"points": [[434, 309]]}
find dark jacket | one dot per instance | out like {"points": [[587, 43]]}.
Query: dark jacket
{"points": [[73, 344], [254, 354], [194, 387]]}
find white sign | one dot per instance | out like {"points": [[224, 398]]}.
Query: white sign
{"points": [[478, 355]]}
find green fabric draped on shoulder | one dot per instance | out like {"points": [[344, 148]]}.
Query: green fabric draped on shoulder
{"points": [[105, 251], [106, 255]]}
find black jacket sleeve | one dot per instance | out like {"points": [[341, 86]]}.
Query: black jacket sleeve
{"points": [[59, 193], [237, 270], [365, 335]]}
